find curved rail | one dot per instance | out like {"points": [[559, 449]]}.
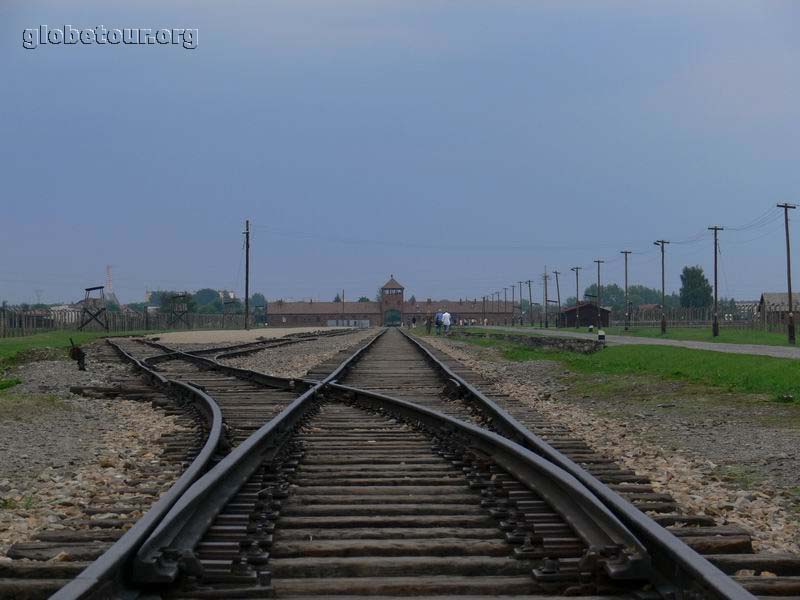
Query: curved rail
{"points": [[102, 576], [679, 564], [170, 546], [577, 505]]}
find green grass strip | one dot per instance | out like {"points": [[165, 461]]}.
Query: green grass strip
{"points": [[13, 350], [735, 372]]}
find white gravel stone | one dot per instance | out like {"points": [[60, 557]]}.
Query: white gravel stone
{"points": [[689, 477], [295, 360], [55, 458]]}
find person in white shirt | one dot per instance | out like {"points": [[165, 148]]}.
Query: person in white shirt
{"points": [[446, 322]]}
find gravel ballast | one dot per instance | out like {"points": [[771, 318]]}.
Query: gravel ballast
{"points": [[58, 450], [674, 466], [296, 359]]}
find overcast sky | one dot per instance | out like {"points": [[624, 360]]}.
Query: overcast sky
{"points": [[461, 145]]}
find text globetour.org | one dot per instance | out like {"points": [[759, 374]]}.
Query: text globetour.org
{"points": [[68, 35]]}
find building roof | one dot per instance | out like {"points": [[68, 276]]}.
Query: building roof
{"points": [[776, 300], [392, 284], [649, 306], [322, 308], [567, 309], [458, 306]]}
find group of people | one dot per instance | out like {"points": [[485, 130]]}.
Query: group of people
{"points": [[442, 320]]}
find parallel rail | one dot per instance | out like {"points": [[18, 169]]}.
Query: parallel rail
{"points": [[676, 564]]}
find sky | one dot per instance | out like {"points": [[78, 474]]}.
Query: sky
{"points": [[460, 145]]}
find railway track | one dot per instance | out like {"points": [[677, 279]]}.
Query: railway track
{"points": [[386, 472], [176, 383], [54, 556]]}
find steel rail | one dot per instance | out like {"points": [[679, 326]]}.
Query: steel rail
{"points": [[677, 562], [104, 577], [284, 383], [577, 505], [169, 549]]}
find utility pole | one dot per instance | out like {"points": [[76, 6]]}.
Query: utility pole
{"points": [[484, 310], [247, 274], [545, 278], [715, 321], [513, 293], [577, 297], [520, 303], [530, 301], [599, 305], [627, 304], [558, 297], [663, 244], [505, 306], [786, 207]]}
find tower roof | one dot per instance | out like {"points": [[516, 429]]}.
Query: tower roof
{"points": [[392, 284]]}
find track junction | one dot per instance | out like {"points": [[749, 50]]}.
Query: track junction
{"points": [[387, 471]]}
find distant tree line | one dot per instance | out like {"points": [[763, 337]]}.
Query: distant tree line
{"points": [[695, 292], [204, 301]]}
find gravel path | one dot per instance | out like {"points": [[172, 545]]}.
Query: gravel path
{"points": [[58, 450], [611, 340], [707, 474], [295, 360]]}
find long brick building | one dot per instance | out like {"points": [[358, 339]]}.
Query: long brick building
{"points": [[393, 309]]}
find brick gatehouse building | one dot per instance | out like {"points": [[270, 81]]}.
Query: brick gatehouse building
{"points": [[392, 309]]}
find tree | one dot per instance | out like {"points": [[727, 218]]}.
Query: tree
{"points": [[364, 299], [206, 296], [258, 299], [163, 299], [213, 307], [610, 295], [338, 298], [233, 306], [695, 289]]}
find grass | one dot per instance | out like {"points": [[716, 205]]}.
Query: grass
{"points": [[743, 476], [701, 334], [8, 383], [779, 377], [52, 344], [26, 503], [18, 407]]}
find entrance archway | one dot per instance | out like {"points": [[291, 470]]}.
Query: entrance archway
{"points": [[392, 318]]}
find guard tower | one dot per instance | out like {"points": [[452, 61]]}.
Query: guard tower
{"points": [[178, 310], [392, 303], [94, 308]]}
